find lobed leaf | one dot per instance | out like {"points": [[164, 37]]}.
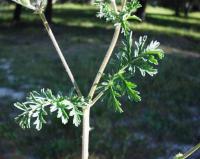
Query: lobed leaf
{"points": [[122, 18], [143, 57], [38, 102]]}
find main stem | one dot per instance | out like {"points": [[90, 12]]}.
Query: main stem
{"points": [[64, 62], [86, 111]]}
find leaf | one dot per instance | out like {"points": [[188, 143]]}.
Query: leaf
{"points": [[146, 68], [76, 116], [134, 17], [23, 120], [153, 60], [152, 49], [155, 52], [132, 94], [179, 156], [143, 57], [132, 6], [121, 18], [74, 110], [114, 100], [20, 106], [105, 11], [38, 102], [129, 88], [62, 113], [39, 118]]}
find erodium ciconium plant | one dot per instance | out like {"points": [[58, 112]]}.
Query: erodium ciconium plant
{"points": [[139, 56]]}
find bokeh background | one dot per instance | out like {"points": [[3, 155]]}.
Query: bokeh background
{"points": [[166, 122]]}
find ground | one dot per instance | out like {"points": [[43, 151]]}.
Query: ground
{"points": [[164, 123]]}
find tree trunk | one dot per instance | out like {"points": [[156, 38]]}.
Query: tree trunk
{"points": [[141, 11], [48, 11], [187, 7], [17, 13], [177, 6]]}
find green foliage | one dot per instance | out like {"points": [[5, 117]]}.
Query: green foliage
{"points": [[146, 57], [179, 156], [143, 58], [122, 18], [105, 11], [132, 6], [118, 84], [38, 102]]}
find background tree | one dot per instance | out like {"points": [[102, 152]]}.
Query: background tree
{"points": [[17, 13], [48, 11], [180, 5], [141, 11], [177, 6], [187, 8]]}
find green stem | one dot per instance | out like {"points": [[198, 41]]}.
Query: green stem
{"points": [[86, 112], [54, 41], [123, 4], [105, 61], [191, 151]]}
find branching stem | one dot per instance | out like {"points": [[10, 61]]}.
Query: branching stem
{"points": [[64, 62], [113, 2], [123, 4], [86, 112], [105, 61]]}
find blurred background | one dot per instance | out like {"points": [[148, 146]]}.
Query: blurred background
{"points": [[166, 122]]}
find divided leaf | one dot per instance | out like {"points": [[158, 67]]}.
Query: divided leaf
{"points": [[143, 58], [114, 99], [122, 18], [130, 89], [132, 6], [38, 102], [116, 86], [105, 11], [74, 110]]}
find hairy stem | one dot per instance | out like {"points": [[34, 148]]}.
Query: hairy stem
{"points": [[123, 3], [86, 132], [53, 39], [86, 112], [113, 2]]}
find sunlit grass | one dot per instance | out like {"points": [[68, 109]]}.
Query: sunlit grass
{"points": [[170, 30], [159, 20]]}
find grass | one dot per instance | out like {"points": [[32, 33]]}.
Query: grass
{"points": [[164, 123], [159, 20]]}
